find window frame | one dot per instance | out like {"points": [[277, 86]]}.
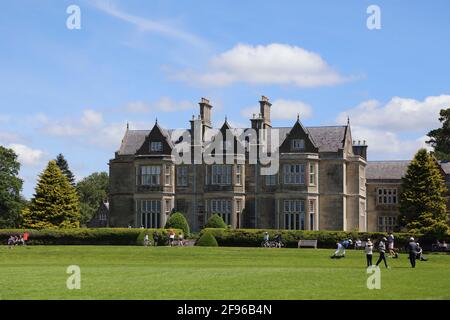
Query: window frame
{"points": [[153, 145]]}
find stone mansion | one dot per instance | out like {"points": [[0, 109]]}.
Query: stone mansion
{"points": [[324, 181]]}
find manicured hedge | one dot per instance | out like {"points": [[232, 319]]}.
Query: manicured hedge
{"points": [[326, 239], [207, 240], [100, 236], [215, 221]]}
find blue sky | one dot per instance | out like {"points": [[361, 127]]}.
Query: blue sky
{"points": [[72, 91]]}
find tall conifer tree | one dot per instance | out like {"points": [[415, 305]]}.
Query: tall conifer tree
{"points": [[64, 167], [422, 202], [55, 203]]}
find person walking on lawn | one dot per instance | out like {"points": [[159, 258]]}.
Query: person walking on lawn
{"points": [[382, 250], [412, 250]]}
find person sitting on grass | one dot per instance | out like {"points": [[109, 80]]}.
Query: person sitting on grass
{"points": [[419, 253]]}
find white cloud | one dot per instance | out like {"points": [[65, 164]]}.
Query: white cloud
{"points": [[89, 121], [90, 128], [28, 156], [279, 64], [387, 145], [92, 118], [164, 104], [399, 114], [149, 25], [282, 110], [397, 129]]}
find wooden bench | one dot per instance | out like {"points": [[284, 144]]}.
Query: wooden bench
{"points": [[307, 243]]}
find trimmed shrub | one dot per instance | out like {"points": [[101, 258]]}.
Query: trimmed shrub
{"points": [[325, 239], [101, 236], [215, 221], [207, 240], [178, 221]]}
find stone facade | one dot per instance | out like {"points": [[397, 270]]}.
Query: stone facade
{"points": [[320, 184], [324, 181]]}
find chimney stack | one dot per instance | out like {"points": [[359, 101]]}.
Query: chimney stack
{"points": [[205, 112], [265, 111]]}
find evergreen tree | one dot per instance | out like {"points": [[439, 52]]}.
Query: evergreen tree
{"points": [[92, 190], [10, 187], [440, 138], [422, 202], [55, 203], [64, 167]]}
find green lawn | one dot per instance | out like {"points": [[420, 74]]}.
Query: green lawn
{"points": [[111, 272]]}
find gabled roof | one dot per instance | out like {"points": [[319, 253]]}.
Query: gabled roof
{"points": [[327, 139], [386, 170]]}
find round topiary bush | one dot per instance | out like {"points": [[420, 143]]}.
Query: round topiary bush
{"points": [[215, 221], [178, 221], [207, 240]]}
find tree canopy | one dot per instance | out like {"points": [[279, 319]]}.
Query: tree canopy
{"points": [[10, 187], [440, 138], [92, 191]]}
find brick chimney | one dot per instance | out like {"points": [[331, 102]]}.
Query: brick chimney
{"points": [[205, 112]]}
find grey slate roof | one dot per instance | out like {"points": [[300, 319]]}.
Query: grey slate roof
{"points": [[388, 170], [446, 167], [328, 138]]}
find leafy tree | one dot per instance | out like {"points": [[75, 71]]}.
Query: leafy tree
{"points": [[215, 221], [64, 167], [10, 187], [178, 221], [55, 203], [92, 191], [440, 138], [207, 240], [422, 202]]}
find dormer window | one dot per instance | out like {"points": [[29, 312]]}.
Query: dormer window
{"points": [[156, 146], [297, 144]]}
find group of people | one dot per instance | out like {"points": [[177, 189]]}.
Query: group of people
{"points": [[18, 240], [277, 240], [172, 236], [415, 251]]}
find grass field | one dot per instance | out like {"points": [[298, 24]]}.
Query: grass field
{"points": [[109, 272]]}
